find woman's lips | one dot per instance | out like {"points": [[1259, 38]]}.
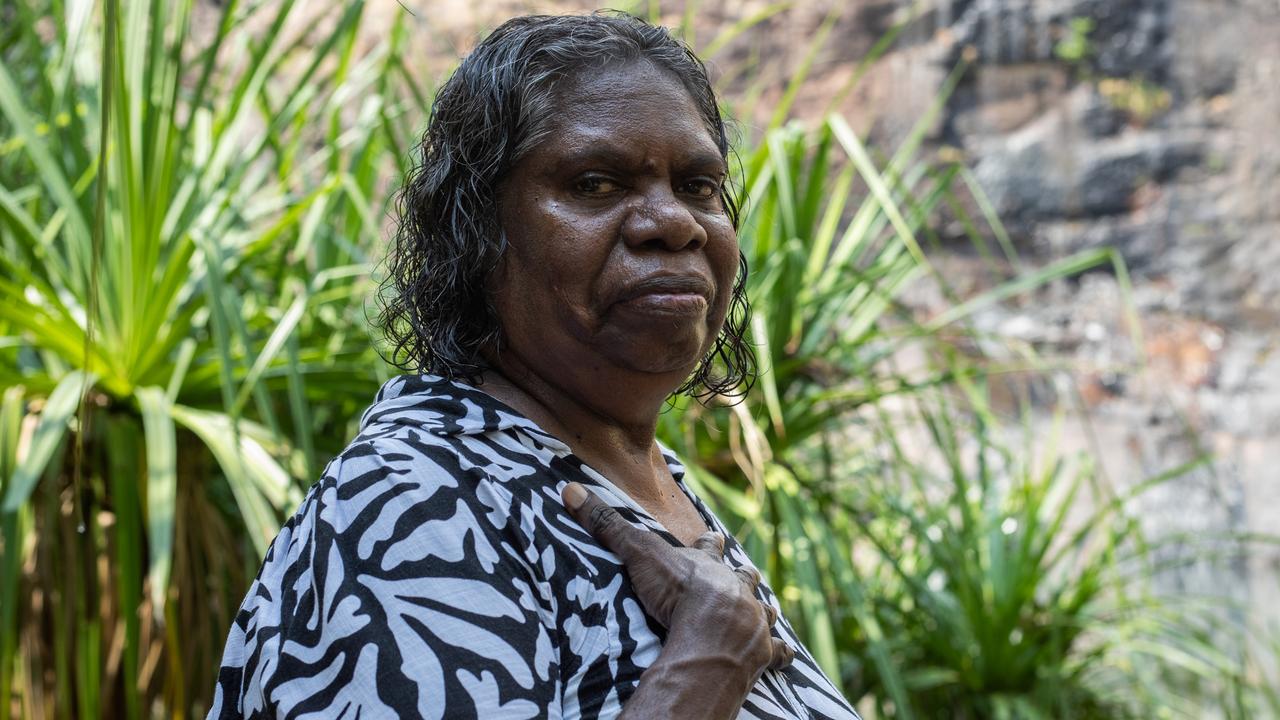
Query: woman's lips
{"points": [[662, 303], [668, 295]]}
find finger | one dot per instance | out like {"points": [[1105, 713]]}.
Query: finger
{"points": [[712, 543], [749, 576], [770, 613], [782, 655], [604, 523]]}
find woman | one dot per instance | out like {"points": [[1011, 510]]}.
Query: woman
{"points": [[566, 259]]}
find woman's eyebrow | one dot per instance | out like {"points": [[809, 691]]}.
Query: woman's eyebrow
{"points": [[698, 160], [706, 161], [593, 153]]}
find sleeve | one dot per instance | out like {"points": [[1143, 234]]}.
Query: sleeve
{"points": [[399, 589]]}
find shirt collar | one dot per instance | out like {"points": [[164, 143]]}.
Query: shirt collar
{"points": [[447, 408], [451, 408]]}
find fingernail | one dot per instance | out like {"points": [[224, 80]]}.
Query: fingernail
{"points": [[574, 495]]}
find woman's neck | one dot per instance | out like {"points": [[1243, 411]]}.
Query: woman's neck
{"points": [[610, 426]]}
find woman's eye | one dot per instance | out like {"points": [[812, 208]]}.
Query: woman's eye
{"points": [[702, 188], [594, 185]]}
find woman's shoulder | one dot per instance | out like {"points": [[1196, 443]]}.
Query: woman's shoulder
{"points": [[409, 543], [431, 445], [399, 501]]}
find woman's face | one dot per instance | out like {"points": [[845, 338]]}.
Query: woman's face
{"points": [[619, 249]]}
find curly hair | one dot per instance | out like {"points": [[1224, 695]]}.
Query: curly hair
{"points": [[497, 105]]}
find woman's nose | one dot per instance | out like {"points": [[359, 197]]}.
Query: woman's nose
{"points": [[660, 219]]}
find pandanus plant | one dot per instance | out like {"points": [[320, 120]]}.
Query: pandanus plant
{"points": [[185, 255]]}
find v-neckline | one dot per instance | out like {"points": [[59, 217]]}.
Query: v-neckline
{"points": [[598, 478], [562, 450]]}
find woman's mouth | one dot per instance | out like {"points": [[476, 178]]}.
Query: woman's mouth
{"points": [[668, 295], [665, 303]]}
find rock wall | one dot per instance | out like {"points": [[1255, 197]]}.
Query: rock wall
{"points": [[1149, 126]]}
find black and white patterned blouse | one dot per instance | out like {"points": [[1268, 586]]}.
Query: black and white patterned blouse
{"points": [[434, 572]]}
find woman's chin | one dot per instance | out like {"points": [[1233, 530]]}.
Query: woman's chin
{"points": [[652, 344], [676, 357], [677, 371]]}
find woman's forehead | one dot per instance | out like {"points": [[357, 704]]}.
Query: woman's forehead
{"points": [[621, 104], [639, 75]]}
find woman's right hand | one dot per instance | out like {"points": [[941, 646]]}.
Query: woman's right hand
{"points": [[718, 633]]}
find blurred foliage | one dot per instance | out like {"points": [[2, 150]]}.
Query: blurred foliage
{"points": [[1139, 98], [188, 240], [1075, 47]]}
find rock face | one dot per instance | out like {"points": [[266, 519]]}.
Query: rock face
{"points": [[1149, 126]]}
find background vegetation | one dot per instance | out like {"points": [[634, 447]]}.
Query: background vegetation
{"points": [[191, 216]]}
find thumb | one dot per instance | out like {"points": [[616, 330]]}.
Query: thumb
{"points": [[604, 523]]}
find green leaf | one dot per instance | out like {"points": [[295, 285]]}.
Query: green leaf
{"points": [[257, 481], [51, 172], [162, 490], [727, 35], [49, 433], [876, 182], [13, 530], [1066, 267], [124, 442], [281, 333]]}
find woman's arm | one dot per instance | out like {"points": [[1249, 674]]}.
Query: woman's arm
{"points": [[397, 590], [718, 641]]}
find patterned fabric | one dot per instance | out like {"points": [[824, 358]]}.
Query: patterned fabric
{"points": [[434, 572]]}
